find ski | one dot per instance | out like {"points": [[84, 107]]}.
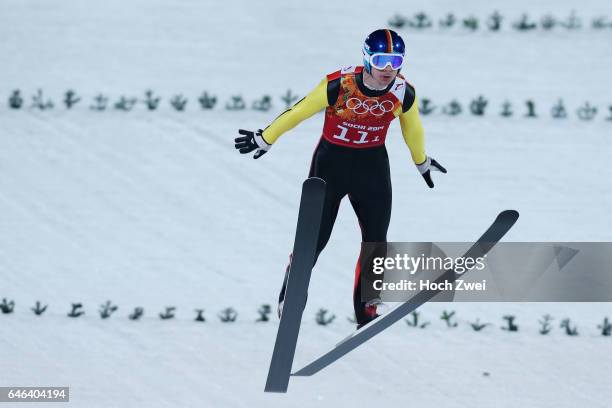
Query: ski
{"points": [[502, 224], [302, 261]]}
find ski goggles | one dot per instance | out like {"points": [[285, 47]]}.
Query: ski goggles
{"points": [[381, 60]]}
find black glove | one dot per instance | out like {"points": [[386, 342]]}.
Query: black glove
{"points": [[251, 141], [427, 167]]}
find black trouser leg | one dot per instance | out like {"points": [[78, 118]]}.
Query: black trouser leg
{"points": [[371, 199]]}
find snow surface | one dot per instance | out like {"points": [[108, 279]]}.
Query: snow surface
{"points": [[156, 209]]}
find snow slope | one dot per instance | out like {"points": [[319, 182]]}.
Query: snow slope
{"points": [[156, 209]]}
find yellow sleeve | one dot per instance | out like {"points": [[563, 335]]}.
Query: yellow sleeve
{"points": [[312, 103], [413, 133]]}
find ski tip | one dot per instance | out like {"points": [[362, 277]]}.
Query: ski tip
{"points": [[314, 180], [313, 186], [509, 214]]}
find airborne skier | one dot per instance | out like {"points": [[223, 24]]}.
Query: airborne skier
{"points": [[360, 102]]}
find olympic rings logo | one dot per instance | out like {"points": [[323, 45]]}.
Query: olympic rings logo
{"points": [[372, 106]]}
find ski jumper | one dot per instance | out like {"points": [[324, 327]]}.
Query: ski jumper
{"points": [[351, 156]]}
